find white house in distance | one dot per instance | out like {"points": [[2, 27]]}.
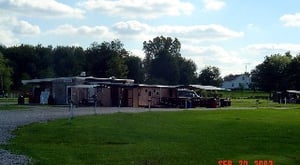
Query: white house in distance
{"points": [[241, 81]]}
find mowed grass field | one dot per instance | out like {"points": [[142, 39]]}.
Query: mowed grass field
{"points": [[183, 137], [5, 107], [11, 104]]}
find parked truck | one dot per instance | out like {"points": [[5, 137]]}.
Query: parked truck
{"points": [[187, 98]]}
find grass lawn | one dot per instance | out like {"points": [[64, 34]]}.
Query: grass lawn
{"points": [[11, 104], [260, 103], [12, 107], [8, 99], [185, 137], [244, 94]]}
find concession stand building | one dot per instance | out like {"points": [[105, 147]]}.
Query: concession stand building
{"points": [[112, 92], [104, 91]]}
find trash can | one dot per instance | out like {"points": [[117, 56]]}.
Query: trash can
{"points": [[212, 103], [224, 103], [189, 103], [21, 100]]}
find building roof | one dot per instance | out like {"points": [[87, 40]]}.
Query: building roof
{"points": [[36, 81], [233, 77], [94, 82], [110, 79], [89, 79], [83, 86], [158, 86], [293, 91], [206, 87]]}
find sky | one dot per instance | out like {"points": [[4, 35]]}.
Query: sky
{"points": [[233, 35]]}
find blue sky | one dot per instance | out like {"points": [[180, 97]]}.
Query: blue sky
{"points": [[228, 34]]}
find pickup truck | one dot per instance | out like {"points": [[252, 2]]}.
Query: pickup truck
{"points": [[185, 98]]}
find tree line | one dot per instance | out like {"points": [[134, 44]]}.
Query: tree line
{"points": [[278, 72], [163, 63]]}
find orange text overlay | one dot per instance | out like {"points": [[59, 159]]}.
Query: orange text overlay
{"points": [[246, 162]]}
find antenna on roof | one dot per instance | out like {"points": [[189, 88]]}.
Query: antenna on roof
{"points": [[246, 65]]}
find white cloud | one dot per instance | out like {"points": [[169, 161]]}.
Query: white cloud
{"points": [[39, 8], [253, 27], [18, 27], [273, 48], [11, 28], [90, 32], [194, 34], [138, 52], [7, 38], [131, 27], [200, 32], [139, 8], [229, 62], [25, 28], [213, 53], [291, 20], [213, 4]]}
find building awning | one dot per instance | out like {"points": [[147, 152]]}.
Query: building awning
{"points": [[83, 86], [158, 86], [293, 91], [36, 81], [206, 87], [92, 80], [110, 79]]}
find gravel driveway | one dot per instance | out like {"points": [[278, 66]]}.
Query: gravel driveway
{"points": [[10, 120]]}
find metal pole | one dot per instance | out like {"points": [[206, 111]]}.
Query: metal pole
{"points": [[95, 104], [71, 110], [149, 104]]}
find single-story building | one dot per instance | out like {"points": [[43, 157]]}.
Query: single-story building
{"points": [[59, 90], [107, 92], [288, 96]]}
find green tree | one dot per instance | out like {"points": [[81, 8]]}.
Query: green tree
{"points": [[68, 61], [210, 76], [293, 72], [22, 59], [161, 64], [44, 63], [107, 59], [164, 70], [5, 74], [135, 69], [272, 75], [116, 67], [187, 71]]}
